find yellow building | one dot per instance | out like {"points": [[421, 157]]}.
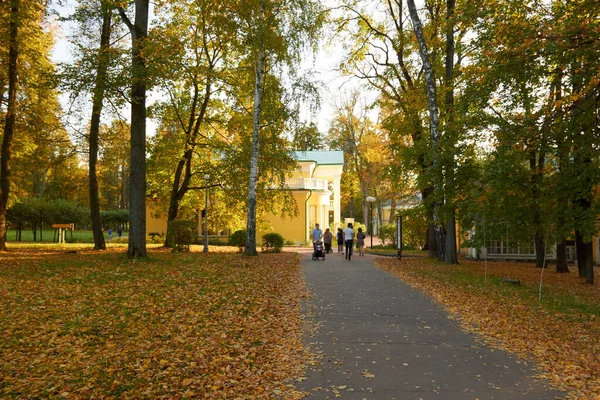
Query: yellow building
{"points": [[154, 223], [315, 185]]}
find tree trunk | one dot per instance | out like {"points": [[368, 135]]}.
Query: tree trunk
{"points": [[174, 198], [540, 250], [561, 258], [137, 168], [98, 99], [184, 167], [430, 235], [433, 120], [392, 219], [451, 254], [562, 265], [366, 212], [250, 249], [589, 276], [537, 168], [124, 189], [9, 123], [582, 162], [585, 262]]}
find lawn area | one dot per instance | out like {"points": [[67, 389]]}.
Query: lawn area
{"points": [[175, 325], [560, 332], [383, 251], [47, 236]]}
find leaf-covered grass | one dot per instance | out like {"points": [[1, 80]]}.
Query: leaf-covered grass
{"points": [[560, 332], [175, 325], [48, 236], [394, 252]]}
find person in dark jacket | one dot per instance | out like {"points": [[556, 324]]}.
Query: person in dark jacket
{"points": [[340, 240], [360, 242], [327, 239]]}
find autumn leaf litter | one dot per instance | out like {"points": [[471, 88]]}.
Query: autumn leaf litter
{"points": [[564, 345], [178, 325]]}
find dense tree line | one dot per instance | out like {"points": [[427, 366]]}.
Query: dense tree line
{"points": [[226, 74], [488, 111], [509, 92]]}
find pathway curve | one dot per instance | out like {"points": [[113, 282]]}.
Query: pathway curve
{"points": [[380, 339]]}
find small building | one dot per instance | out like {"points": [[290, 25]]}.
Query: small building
{"points": [[315, 185], [400, 207], [498, 248], [506, 250]]}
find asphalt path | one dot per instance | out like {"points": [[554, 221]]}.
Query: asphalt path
{"points": [[379, 339]]}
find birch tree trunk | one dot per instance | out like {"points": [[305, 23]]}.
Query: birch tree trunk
{"points": [[250, 249], [450, 256], [433, 116]]}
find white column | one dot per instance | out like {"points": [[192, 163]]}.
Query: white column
{"points": [[336, 200], [319, 217]]}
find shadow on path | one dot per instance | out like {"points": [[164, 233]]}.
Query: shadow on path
{"points": [[377, 338]]}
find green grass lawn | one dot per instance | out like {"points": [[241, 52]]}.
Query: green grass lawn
{"points": [[394, 252], [87, 237], [47, 236]]}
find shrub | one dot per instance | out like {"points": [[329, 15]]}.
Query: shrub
{"points": [[238, 239], [414, 228], [217, 241], [180, 234], [387, 233], [272, 242], [356, 225], [153, 237]]}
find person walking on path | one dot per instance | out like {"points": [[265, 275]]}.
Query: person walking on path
{"points": [[349, 240], [327, 239], [340, 240], [360, 242], [316, 234]]}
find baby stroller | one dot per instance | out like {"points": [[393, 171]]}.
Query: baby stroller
{"points": [[318, 251]]}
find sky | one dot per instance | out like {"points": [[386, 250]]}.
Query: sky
{"points": [[324, 64]]}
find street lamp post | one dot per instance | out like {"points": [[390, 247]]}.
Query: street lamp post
{"points": [[205, 250], [371, 200]]}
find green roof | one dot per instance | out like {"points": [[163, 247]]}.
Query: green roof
{"points": [[321, 157]]}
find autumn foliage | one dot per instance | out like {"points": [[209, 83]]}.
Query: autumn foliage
{"points": [[559, 333], [176, 325]]}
